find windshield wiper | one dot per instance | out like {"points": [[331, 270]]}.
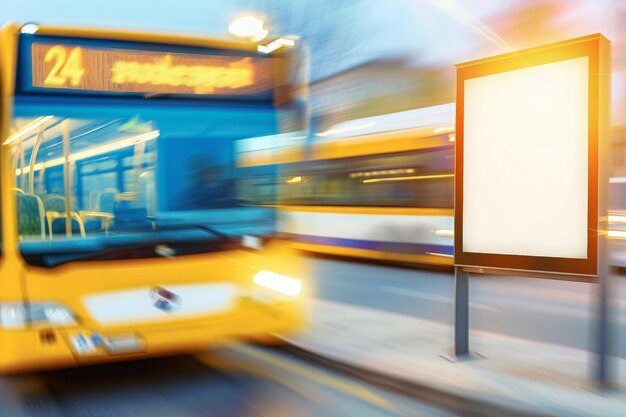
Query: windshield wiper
{"points": [[215, 232], [57, 252], [209, 229]]}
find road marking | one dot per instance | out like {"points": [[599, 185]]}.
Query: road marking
{"points": [[434, 297], [338, 384]]}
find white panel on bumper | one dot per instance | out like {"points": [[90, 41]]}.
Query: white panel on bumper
{"points": [[138, 304]]}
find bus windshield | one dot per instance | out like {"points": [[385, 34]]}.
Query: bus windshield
{"points": [[107, 179]]}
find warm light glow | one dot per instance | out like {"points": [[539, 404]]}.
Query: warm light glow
{"points": [[451, 137], [275, 44], [88, 68], [28, 128], [294, 180], [203, 78], [277, 282], [617, 219], [345, 129], [415, 177], [382, 172], [248, 27], [444, 129], [617, 234], [444, 255], [30, 29], [444, 232], [260, 36]]}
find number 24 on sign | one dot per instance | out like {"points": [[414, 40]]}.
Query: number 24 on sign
{"points": [[67, 66]]}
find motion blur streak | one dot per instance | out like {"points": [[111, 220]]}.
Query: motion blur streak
{"points": [[461, 14], [301, 370]]}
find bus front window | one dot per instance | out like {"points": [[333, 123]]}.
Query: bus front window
{"points": [[119, 181]]}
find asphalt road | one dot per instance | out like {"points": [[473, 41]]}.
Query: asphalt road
{"points": [[558, 312], [229, 382]]}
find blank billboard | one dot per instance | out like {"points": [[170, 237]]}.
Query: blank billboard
{"points": [[525, 161]]}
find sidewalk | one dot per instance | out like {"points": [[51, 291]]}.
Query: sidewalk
{"points": [[521, 375]]}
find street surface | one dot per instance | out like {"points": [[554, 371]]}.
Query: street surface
{"points": [[559, 312], [231, 382]]}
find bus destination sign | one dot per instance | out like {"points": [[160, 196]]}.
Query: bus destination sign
{"points": [[61, 66]]}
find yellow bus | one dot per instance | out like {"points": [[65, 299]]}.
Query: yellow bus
{"points": [[125, 232]]}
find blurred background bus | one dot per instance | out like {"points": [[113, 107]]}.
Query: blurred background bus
{"points": [[382, 188]]}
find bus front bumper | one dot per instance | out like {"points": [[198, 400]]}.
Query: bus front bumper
{"points": [[49, 348]]}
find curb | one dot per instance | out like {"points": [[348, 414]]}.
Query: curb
{"points": [[459, 404]]}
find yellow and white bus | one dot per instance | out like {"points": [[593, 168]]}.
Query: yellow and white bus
{"points": [[379, 188], [124, 230]]}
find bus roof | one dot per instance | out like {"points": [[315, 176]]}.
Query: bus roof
{"points": [[134, 35], [440, 118]]}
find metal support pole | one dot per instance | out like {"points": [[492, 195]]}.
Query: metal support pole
{"points": [[604, 343], [604, 327], [33, 158], [22, 167], [461, 312], [67, 175]]}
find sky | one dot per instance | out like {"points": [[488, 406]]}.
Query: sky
{"points": [[208, 17], [342, 32], [345, 33]]}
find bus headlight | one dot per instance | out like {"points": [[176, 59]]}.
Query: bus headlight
{"points": [[277, 282], [252, 242], [18, 315]]}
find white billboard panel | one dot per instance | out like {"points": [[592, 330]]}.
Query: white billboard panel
{"points": [[525, 161]]}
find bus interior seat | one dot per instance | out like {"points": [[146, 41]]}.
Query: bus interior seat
{"points": [[54, 205], [54, 202], [30, 215], [106, 200]]}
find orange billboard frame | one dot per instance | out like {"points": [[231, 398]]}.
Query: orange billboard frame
{"points": [[597, 49]]}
